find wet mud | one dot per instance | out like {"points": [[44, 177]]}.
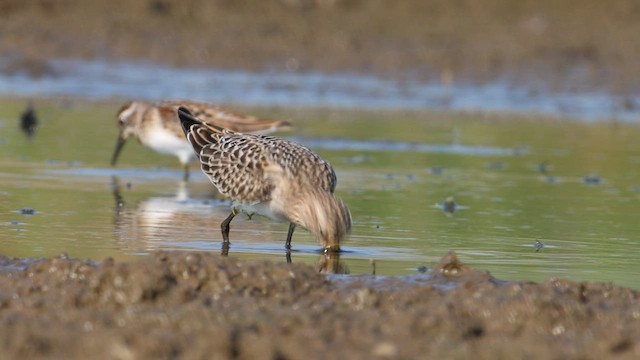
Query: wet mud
{"points": [[187, 305]]}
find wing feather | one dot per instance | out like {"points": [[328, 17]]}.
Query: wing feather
{"points": [[236, 167]]}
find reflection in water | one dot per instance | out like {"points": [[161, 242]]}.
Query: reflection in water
{"points": [[329, 263], [171, 222], [161, 221]]}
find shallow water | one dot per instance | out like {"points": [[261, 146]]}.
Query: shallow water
{"points": [[574, 187]]}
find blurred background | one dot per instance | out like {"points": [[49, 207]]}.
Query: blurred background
{"points": [[574, 57]]}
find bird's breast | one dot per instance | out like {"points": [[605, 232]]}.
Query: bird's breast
{"points": [[262, 208]]}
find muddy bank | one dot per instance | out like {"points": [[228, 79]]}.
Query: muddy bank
{"points": [[195, 305], [568, 44]]}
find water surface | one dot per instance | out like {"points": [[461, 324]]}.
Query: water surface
{"points": [[572, 186], [100, 79]]}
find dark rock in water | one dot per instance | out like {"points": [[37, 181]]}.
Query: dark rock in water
{"points": [[592, 180], [449, 205], [496, 165], [543, 167], [29, 121]]}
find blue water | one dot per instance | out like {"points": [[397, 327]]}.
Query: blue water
{"points": [[101, 79]]}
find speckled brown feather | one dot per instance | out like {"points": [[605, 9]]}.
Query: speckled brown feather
{"points": [[224, 118], [270, 176], [164, 114], [236, 162], [155, 126]]}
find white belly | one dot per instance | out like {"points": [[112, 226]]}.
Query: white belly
{"points": [[168, 143]]}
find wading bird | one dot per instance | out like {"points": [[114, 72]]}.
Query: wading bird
{"points": [[272, 177], [155, 126]]}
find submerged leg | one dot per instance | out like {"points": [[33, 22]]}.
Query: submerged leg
{"points": [[185, 177], [287, 244], [224, 251], [225, 225]]}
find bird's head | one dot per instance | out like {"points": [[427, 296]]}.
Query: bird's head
{"points": [[129, 118], [325, 216]]}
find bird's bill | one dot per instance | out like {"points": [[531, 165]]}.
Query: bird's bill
{"points": [[117, 150]]}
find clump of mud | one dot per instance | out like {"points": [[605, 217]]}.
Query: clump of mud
{"points": [[196, 305]]}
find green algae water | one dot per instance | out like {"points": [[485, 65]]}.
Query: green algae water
{"points": [[529, 197]]}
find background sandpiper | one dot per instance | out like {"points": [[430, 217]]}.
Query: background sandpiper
{"points": [[155, 126]]}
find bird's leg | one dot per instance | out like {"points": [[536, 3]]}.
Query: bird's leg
{"points": [[224, 251], [225, 225], [249, 215], [287, 244], [115, 184], [185, 177], [288, 256]]}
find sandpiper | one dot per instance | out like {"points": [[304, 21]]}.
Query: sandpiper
{"points": [[155, 126], [272, 177]]}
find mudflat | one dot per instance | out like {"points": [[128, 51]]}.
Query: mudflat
{"points": [[199, 305]]}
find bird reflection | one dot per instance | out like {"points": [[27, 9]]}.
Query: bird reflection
{"points": [[161, 221], [329, 263]]}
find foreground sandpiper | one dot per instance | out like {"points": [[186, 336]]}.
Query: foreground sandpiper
{"points": [[272, 177], [155, 126]]}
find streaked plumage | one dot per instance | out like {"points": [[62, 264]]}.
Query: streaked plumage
{"points": [[270, 176], [155, 126]]}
